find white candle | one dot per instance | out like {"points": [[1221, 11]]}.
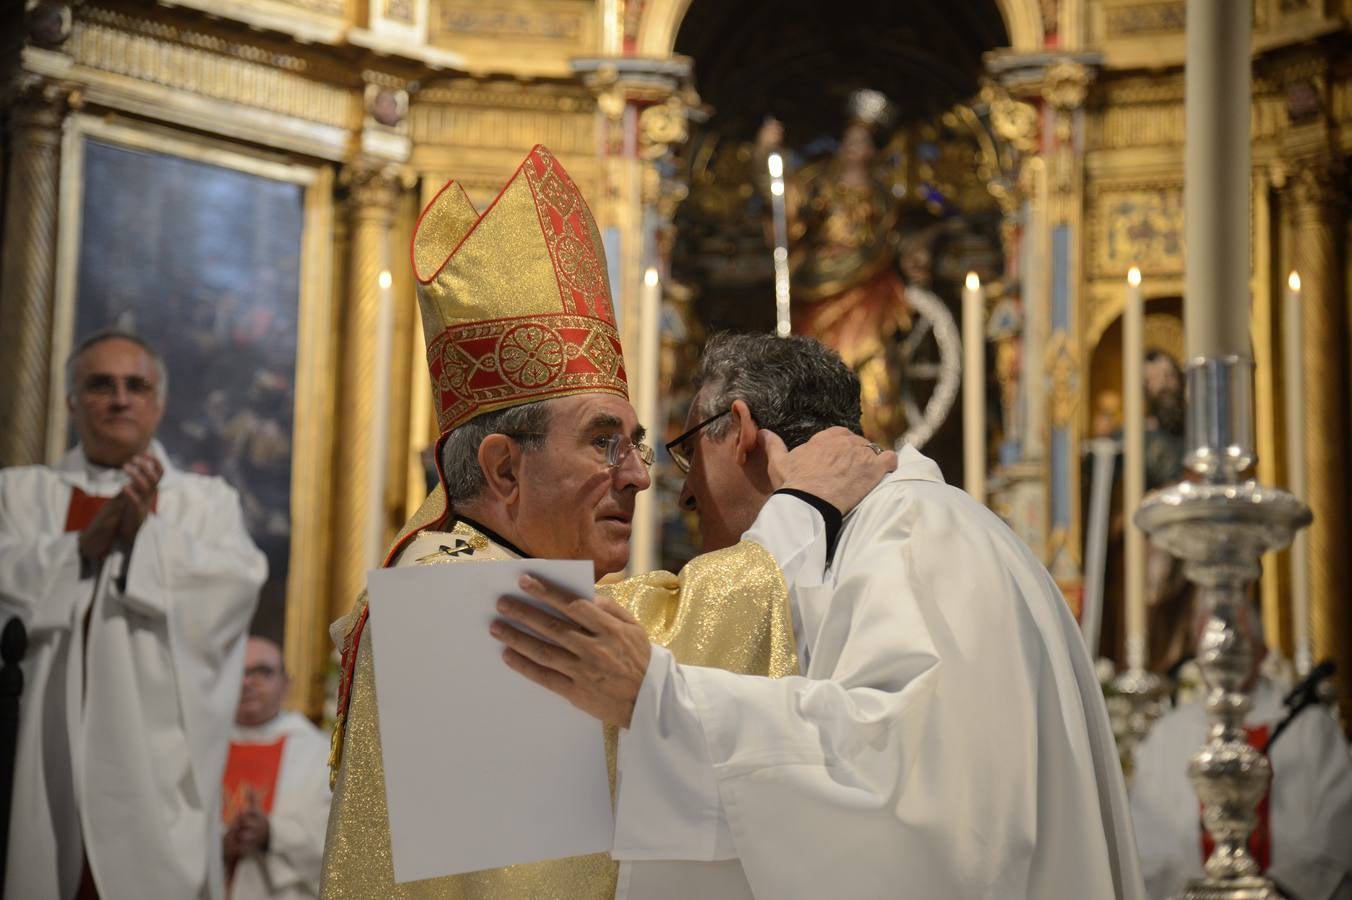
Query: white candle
{"points": [[1133, 465], [380, 422], [1216, 179], [779, 218], [646, 534], [1293, 351], [974, 387]]}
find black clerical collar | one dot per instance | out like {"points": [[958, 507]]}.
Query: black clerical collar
{"points": [[493, 536]]}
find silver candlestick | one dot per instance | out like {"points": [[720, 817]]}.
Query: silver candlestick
{"points": [[1220, 526]]}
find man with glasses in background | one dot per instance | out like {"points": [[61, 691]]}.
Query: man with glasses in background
{"points": [[136, 582], [541, 455], [276, 787]]}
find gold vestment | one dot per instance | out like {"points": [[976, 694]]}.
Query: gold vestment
{"points": [[727, 609]]}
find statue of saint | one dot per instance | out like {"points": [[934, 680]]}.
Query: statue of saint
{"points": [[847, 290]]}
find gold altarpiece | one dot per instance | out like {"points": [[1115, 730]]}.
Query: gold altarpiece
{"points": [[370, 106]]}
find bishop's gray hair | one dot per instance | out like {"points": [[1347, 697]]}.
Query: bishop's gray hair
{"points": [[794, 386], [465, 479], [108, 334]]}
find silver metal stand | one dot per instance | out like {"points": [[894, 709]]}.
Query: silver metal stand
{"points": [[1220, 526]]}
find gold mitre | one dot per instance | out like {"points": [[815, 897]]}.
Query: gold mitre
{"points": [[515, 303]]}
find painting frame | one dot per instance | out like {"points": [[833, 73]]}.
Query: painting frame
{"points": [[312, 438]]}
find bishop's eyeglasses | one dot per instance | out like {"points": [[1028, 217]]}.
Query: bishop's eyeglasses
{"points": [[615, 446]]}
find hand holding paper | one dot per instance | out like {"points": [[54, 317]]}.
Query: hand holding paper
{"points": [[598, 655]]}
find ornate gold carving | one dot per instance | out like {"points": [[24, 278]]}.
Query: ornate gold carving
{"points": [[210, 66], [1136, 225], [1317, 190], [1314, 192], [49, 23], [373, 189], [1062, 364], [336, 8], [1014, 121], [1340, 101], [373, 195], [27, 270], [1145, 18], [1066, 84], [660, 126], [401, 11], [505, 116], [473, 19]]}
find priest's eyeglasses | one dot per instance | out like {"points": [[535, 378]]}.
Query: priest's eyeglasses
{"points": [[677, 450], [615, 446]]}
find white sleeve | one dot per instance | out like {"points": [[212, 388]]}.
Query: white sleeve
{"points": [[667, 805], [1312, 810], [205, 584], [40, 574]]}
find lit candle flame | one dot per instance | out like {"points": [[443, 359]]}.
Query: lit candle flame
{"points": [[1293, 280], [973, 281], [650, 277], [385, 279], [1134, 277], [776, 165]]}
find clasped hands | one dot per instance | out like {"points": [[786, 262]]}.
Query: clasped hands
{"points": [[117, 521], [248, 833], [596, 653]]}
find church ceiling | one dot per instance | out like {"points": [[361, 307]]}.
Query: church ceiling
{"points": [[799, 60]]}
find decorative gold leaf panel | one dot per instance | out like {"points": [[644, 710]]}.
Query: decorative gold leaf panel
{"points": [[1140, 226], [538, 37]]}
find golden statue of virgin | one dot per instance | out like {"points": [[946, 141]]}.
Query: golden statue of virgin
{"points": [[846, 289]]}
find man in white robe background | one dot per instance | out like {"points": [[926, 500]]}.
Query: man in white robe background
{"points": [[1308, 831], [276, 804], [947, 736], [136, 583]]}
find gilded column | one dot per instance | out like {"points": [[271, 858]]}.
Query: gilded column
{"points": [[373, 199], [28, 270], [1314, 199]]}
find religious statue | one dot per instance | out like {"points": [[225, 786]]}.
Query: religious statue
{"points": [[847, 290]]}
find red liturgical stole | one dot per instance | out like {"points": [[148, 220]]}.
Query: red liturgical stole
{"points": [[83, 508], [250, 771]]}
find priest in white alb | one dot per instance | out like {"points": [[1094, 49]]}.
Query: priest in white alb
{"points": [[944, 737], [136, 582], [276, 788]]}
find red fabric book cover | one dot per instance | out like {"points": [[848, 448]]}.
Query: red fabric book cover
{"points": [[250, 771]]}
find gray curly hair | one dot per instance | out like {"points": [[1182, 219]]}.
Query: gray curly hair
{"points": [[794, 386]]}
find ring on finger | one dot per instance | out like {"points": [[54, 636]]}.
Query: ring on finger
{"points": [[877, 450]]}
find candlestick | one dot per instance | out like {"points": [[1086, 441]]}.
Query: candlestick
{"points": [[645, 538], [974, 387], [1216, 180], [380, 422], [1293, 350], [1133, 465], [775, 162]]}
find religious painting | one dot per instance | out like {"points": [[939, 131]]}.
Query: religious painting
{"points": [[204, 262], [1138, 227]]}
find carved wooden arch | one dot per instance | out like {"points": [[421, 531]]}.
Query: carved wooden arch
{"points": [[662, 20]]}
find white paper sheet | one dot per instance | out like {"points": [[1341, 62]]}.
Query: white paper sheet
{"points": [[483, 768]]}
